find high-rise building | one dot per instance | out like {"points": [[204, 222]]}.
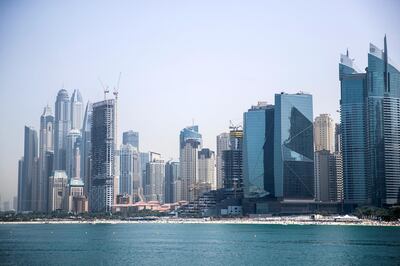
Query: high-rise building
{"points": [[129, 170], [189, 145], [62, 125], [171, 178], [232, 163], [77, 200], [103, 140], [354, 139], [370, 119], [73, 145], [325, 182], [293, 147], [324, 130], [338, 141], [46, 144], [144, 159], [15, 203], [206, 171], [58, 191], [383, 131], [76, 110], [254, 126], [269, 178], [337, 165], [86, 147], [28, 178], [328, 176], [155, 178], [222, 145], [21, 183], [324, 163], [335, 177], [47, 172], [131, 137]]}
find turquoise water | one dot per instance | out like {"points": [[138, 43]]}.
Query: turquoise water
{"points": [[197, 244]]}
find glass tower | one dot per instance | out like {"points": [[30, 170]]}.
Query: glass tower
{"points": [[131, 137], [27, 183], [370, 129], [76, 110], [383, 119], [86, 157], [353, 136], [253, 150], [293, 147], [103, 156], [45, 145], [62, 127]]}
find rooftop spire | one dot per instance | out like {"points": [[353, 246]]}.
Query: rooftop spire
{"points": [[347, 52], [385, 48]]}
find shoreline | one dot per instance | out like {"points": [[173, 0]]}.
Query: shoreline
{"points": [[245, 221]]}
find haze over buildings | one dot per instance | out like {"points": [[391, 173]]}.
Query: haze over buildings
{"points": [[240, 54]]}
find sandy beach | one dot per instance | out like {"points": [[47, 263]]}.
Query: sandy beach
{"points": [[272, 220]]}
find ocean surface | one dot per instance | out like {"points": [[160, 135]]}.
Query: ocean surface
{"points": [[198, 244]]}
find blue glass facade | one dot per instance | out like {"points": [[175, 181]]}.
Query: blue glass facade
{"points": [[253, 152], [131, 137], [383, 118], [370, 117], [293, 147], [190, 133], [354, 145], [269, 179]]}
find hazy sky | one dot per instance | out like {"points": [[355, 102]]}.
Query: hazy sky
{"points": [[206, 61]]}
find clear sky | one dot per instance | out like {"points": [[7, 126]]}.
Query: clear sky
{"points": [[206, 61]]}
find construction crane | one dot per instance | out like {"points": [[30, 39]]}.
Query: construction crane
{"points": [[105, 89], [233, 127]]}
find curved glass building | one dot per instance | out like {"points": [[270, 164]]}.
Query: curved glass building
{"points": [[370, 115]]}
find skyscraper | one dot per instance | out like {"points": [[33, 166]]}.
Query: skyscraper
{"points": [[324, 163], [222, 145], [155, 178], [76, 110], [86, 147], [131, 137], [324, 128], [46, 144], [103, 142], [253, 150], [28, 180], [335, 177], [77, 201], [322, 180], [129, 170], [370, 120], [189, 145], [62, 125], [72, 146], [338, 141], [293, 147], [58, 191], [383, 131], [232, 163], [354, 139], [171, 177], [206, 172], [21, 199]]}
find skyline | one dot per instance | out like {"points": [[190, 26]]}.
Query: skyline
{"points": [[200, 93]]}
